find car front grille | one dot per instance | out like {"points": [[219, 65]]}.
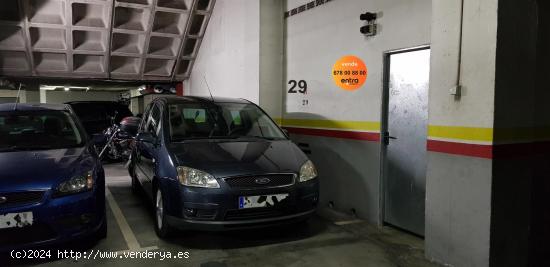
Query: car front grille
{"points": [[20, 198], [260, 181]]}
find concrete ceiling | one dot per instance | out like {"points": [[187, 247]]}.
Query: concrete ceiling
{"points": [[148, 40]]}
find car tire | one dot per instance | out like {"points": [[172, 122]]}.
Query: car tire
{"points": [[162, 228]]}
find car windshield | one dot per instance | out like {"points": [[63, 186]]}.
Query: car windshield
{"points": [[37, 130], [220, 120]]}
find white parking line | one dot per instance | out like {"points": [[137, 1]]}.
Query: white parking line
{"points": [[138, 250], [118, 178], [131, 240], [348, 222]]}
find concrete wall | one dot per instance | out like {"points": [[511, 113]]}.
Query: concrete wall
{"points": [[315, 40], [25, 96], [229, 53], [8, 93], [62, 96]]}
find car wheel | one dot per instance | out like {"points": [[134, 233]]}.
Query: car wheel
{"points": [[162, 228]]}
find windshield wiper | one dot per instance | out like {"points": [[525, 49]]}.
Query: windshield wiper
{"points": [[203, 138], [259, 137]]}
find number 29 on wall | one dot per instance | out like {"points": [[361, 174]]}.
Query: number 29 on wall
{"points": [[302, 87]]}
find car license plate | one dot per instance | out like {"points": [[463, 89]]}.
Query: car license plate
{"points": [[246, 202], [12, 220]]}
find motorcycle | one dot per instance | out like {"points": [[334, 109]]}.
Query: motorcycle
{"points": [[120, 139]]}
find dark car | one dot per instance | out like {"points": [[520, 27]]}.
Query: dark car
{"points": [[220, 164], [97, 116], [52, 185]]}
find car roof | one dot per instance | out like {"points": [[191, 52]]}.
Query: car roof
{"points": [[94, 102], [200, 99], [32, 107]]}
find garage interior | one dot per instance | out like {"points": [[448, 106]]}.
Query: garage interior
{"points": [[441, 158]]}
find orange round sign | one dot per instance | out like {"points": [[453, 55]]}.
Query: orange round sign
{"points": [[349, 73]]}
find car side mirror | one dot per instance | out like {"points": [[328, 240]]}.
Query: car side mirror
{"points": [[99, 139], [146, 138]]}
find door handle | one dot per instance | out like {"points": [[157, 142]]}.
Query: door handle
{"points": [[387, 137]]}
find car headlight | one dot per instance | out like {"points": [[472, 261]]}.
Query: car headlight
{"points": [[193, 177], [307, 171], [76, 184]]}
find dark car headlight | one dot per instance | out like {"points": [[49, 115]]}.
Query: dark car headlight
{"points": [[193, 177], [76, 184], [307, 171]]}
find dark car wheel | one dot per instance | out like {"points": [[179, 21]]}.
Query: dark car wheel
{"points": [[162, 228]]}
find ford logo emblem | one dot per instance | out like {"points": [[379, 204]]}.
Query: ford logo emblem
{"points": [[3, 200], [262, 180]]}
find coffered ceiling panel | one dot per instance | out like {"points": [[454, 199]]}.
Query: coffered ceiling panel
{"points": [[102, 39]]}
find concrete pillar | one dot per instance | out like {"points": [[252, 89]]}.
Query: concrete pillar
{"points": [[228, 60], [43, 96], [520, 196], [487, 184], [271, 56], [459, 177]]}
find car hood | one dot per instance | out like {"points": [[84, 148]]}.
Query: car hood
{"points": [[43, 169], [233, 158]]}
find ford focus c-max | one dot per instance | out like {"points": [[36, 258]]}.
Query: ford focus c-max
{"points": [[217, 164], [52, 184]]}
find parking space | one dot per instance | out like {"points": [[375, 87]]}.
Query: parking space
{"points": [[319, 242]]}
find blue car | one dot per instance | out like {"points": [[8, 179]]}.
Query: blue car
{"points": [[220, 164], [52, 185]]}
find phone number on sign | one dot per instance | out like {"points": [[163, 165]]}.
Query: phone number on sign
{"points": [[348, 72]]}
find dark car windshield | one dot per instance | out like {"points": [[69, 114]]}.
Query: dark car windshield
{"points": [[36, 130], [220, 120]]}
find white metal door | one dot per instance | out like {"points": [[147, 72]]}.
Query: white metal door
{"points": [[404, 138]]}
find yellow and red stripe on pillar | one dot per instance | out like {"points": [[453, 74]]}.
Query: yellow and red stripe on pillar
{"points": [[356, 130], [489, 142], [458, 140]]}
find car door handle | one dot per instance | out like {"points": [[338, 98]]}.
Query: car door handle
{"points": [[386, 138]]}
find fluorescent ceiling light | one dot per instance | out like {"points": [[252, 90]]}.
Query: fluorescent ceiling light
{"points": [[47, 87], [66, 88]]}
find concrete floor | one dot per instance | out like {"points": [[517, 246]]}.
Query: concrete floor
{"points": [[320, 242]]}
